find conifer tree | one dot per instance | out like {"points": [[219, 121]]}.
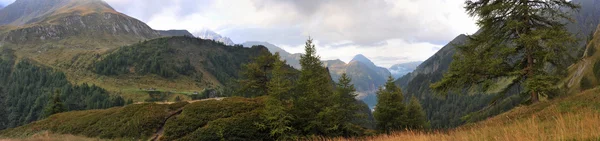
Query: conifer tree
{"points": [[390, 110], [518, 39], [415, 115], [55, 105], [314, 91], [339, 117], [276, 113], [256, 75]]}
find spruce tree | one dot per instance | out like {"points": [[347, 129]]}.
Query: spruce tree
{"points": [[313, 93], [55, 105], [339, 117], [390, 110], [519, 39], [277, 116], [415, 115]]}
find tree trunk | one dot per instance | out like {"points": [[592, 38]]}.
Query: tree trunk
{"points": [[534, 95]]}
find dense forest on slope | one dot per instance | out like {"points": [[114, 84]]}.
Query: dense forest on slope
{"points": [[171, 57], [26, 89]]}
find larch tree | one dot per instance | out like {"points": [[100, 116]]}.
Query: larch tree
{"points": [[256, 75], [524, 40]]}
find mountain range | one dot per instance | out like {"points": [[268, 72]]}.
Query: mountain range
{"points": [[211, 35], [402, 69], [366, 76]]}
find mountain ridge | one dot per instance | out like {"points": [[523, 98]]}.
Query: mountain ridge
{"points": [[211, 35]]}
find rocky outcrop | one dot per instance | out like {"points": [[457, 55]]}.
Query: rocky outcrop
{"points": [[90, 25]]}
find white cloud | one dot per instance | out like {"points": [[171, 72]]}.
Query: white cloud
{"points": [[394, 52], [387, 31]]}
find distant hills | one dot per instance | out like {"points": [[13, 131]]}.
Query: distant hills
{"points": [[291, 59], [211, 35], [366, 76], [402, 69]]}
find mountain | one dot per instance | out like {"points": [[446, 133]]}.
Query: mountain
{"points": [[211, 35], [365, 75], [400, 70], [1, 6], [585, 74], [450, 111], [291, 59], [166, 33], [383, 72]]}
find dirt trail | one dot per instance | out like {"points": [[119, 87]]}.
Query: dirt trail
{"points": [[161, 130]]}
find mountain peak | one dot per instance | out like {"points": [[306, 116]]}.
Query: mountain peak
{"points": [[211, 35], [23, 12], [363, 59]]}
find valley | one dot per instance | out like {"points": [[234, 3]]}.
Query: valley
{"points": [[82, 70]]}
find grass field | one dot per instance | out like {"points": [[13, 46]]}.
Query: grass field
{"points": [[576, 117]]}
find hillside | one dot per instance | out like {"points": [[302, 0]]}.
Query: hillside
{"points": [[67, 34], [570, 118], [417, 83], [231, 117], [180, 65], [585, 74], [166, 33]]}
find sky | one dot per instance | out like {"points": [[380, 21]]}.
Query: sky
{"points": [[386, 31]]}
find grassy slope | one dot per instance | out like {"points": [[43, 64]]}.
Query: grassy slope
{"points": [[232, 118], [581, 74], [576, 117], [573, 117]]}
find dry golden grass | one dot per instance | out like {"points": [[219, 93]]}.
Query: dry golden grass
{"points": [[47, 136], [573, 118]]}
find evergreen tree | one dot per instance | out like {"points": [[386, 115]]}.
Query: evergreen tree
{"points": [[415, 115], [390, 111], [278, 119], [518, 39], [314, 91], [55, 105], [256, 75], [340, 116]]}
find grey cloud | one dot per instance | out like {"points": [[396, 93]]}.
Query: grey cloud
{"points": [[146, 9]]}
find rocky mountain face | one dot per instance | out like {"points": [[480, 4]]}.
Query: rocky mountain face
{"points": [[402, 69], [32, 21], [585, 74], [366, 76], [211, 35], [291, 59], [167, 33]]}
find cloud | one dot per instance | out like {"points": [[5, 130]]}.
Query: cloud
{"points": [[387, 31], [394, 52], [364, 22]]}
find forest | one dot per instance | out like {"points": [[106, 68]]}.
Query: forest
{"points": [[29, 92]]}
